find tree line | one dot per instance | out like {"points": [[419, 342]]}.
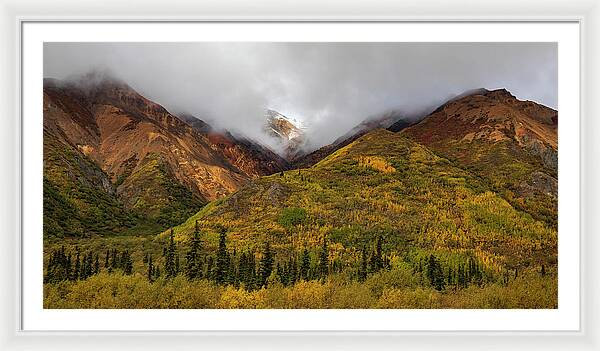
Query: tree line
{"points": [[80, 266], [250, 269], [245, 269]]}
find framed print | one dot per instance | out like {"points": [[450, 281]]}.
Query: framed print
{"points": [[404, 178]]}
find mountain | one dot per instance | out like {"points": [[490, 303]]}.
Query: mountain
{"points": [[289, 132], [425, 217], [108, 142], [511, 144], [249, 156], [381, 185], [392, 120]]}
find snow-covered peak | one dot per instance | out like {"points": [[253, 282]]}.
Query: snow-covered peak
{"points": [[289, 133], [272, 114]]}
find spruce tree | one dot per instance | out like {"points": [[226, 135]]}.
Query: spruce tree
{"points": [[232, 274], [97, 265], [324, 260], [89, 265], [77, 265], [305, 265], [252, 278], [461, 278], [128, 264], [193, 269], [210, 274], [543, 270], [362, 271], [170, 252], [59, 266], [150, 269], [68, 268], [435, 273], [266, 265], [114, 260], [244, 270], [293, 275], [222, 264], [377, 257]]}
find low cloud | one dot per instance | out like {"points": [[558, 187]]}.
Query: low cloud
{"points": [[331, 87]]}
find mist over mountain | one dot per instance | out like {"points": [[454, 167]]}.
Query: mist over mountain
{"points": [[329, 87]]}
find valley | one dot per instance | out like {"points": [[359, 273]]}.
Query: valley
{"points": [[147, 209]]}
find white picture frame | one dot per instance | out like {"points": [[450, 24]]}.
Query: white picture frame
{"points": [[15, 13]]}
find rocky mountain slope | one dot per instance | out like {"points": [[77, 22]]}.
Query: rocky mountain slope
{"points": [[512, 144], [393, 120], [381, 185], [145, 158], [288, 132], [248, 155]]}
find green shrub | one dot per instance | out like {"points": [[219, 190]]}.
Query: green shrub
{"points": [[292, 216]]}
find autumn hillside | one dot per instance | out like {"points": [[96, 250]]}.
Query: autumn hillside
{"points": [[457, 211], [381, 185]]}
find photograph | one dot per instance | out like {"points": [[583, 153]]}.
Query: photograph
{"points": [[300, 175]]}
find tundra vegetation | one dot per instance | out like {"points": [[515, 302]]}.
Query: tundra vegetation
{"points": [[381, 223]]}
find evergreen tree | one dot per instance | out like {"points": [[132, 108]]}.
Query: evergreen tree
{"points": [[193, 269], [106, 263], [232, 273], [89, 266], [59, 266], [324, 260], [435, 273], [461, 278], [543, 271], [252, 278], [377, 257], [279, 272], [127, 263], [114, 259], [210, 268], [244, 272], [77, 265], [362, 271], [150, 269], [68, 268], [505, 278], [293, 271], [266, 265], [304, 265], [170, 253], [222, 259], [97, 265]]}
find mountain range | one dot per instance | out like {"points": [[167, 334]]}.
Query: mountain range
{"points": [[456, 208], [111, 156], [115, 161]]}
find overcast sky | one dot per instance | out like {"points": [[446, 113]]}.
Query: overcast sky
{"points": [[331, 87]]}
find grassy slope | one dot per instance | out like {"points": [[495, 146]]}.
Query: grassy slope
{"points": [[505, 167], [152, 191], [517, 173], [80, 201], [77, 195], [382, 184]]}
